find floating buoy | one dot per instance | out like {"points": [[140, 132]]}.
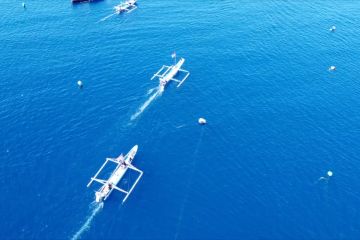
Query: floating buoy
{"points": [[202, 121], [329, 173], [80, 83], [24, 5], [332, 29], [332, 68]]}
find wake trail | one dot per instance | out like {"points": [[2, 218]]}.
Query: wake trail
{"points": [[86, 226], [103, 19], [146, 104], [190, 180], [151, 90]]}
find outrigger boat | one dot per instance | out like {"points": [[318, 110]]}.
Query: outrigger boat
{"points": [[127, 6], [123, 164], [169, 74]]}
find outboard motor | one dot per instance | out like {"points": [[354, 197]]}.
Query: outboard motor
{"points": [[98, 197], [162, 85]]}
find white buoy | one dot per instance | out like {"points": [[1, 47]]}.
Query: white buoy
{"points": [[332, 29], [202, 121], [24, 5], [329, 173], [332, 68], [80, 83]]}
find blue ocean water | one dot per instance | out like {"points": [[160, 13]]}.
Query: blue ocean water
{"points": [[278, 120]]}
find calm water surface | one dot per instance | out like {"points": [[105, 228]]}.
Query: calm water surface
{"points": [[278, 120]]}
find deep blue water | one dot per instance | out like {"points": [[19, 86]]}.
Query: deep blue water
{"points": [[278, 120]]}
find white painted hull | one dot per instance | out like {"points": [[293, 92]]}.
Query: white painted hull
{"points": [[116, 176], [126, 6], [172, 73]]}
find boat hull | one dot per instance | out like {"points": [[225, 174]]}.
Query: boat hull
{"points": [[117, 175], [172, 73]]}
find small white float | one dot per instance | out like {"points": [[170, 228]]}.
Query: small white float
{"points": [[329, 173], [80, 83], [332, 29], [332, 68], [202, 121]]}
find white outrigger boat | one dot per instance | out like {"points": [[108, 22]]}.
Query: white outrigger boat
{"points": [[169, 74], [127, 6], [123, 164]]}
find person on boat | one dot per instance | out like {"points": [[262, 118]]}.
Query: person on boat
{"points": [[121, 158], [107, 188], [123, 164]]}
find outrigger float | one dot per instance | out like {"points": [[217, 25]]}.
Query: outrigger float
{"points": [[169, 74], [127, 6], [123, 164]]}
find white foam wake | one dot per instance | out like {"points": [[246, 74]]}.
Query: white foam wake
{"points": [[108, 16], [146, 104], [95, 210], [151, 90]]}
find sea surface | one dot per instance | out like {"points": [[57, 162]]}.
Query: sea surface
{"points": [[278, 120]]}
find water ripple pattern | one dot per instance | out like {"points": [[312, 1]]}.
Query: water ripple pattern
{"points": [[278, 120]]}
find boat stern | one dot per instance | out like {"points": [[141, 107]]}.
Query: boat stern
{"points": [[98, 197], [162, 83]]}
